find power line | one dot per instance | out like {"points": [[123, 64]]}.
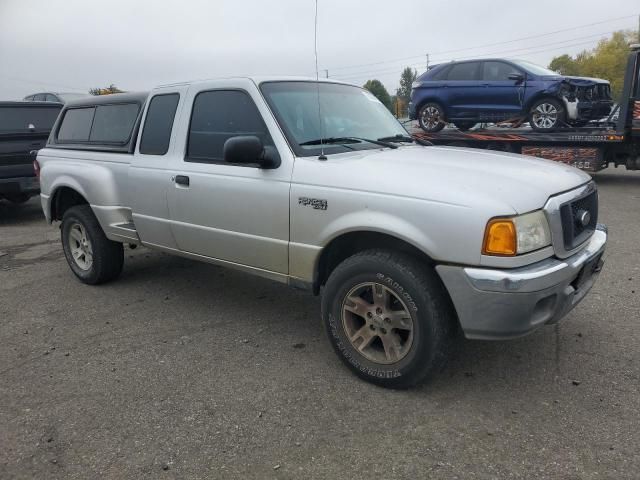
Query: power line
{"points": [[42, 83], [523, 51], [485, 45]]}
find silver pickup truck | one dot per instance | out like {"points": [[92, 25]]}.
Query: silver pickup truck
{"points": [[316, 185]]}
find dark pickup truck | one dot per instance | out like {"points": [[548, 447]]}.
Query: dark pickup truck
{"points": [[24, 129]]}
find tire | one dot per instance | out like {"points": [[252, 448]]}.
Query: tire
{"points": [[92, 257], [421, 344], [431, 117], [464, 126], [546, 115]]}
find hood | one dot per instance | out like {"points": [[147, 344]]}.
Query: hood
{"points": [[505, 183], [578, 81]]}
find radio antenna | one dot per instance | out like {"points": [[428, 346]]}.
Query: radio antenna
{"points": [[315, 49]]}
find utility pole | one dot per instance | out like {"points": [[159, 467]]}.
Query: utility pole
{"points": [[427, 61]]}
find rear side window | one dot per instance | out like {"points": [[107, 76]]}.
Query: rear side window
{"points": [[113, 123], [76, 125], [464, 71], [102, 124], [440, 73], [158, 124], [497, 71], [19, 119], [217, 116]]}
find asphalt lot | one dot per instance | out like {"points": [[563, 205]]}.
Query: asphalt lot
{"points": [[187, 370]]}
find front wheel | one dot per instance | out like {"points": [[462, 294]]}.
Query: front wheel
{"points": [[389, 320], [431, 117], [92, 257], [546, 115]]}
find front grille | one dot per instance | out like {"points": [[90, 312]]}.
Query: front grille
{"points": [[579, 219]]}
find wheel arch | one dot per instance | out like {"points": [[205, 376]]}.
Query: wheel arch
{"points": [[539, 96], [432, 99], [349, 243], [63, 198]]}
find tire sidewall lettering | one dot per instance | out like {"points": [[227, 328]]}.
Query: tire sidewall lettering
{"points": [[346, 352]]}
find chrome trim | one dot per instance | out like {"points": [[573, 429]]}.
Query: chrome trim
{"points": [[552, 211], [539, 276], [499, 304]]}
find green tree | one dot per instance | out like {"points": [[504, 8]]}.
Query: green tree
{"points": [[377, 89], [607, 60], [564, 65], [407, 77], [105, 91]]}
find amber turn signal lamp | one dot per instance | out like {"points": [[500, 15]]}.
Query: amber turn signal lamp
{"points": [[500, 238]]}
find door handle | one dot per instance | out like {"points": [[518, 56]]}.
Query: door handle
{"points": [[181, 180]]}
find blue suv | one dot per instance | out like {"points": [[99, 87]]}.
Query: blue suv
{"points": [[497, 90]]}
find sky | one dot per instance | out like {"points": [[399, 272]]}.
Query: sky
{"points": [[75, 45]]}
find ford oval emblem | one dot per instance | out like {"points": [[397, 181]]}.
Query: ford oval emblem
{"points": [[583, 217]]}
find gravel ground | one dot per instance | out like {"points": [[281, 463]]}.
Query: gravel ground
{"points": [[187, 370]]}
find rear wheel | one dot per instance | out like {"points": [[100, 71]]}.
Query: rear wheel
{"points": [[546, 115], [389, 320], [92, 257], [431, 117]]}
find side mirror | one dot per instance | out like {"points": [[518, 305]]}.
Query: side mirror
{"points": [[518, 77], [248, 149]]}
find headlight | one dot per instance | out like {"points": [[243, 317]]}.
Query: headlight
{"points": [[415, 84], [516, 235]]}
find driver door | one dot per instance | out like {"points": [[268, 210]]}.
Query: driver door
{"points": [[233, 213]]}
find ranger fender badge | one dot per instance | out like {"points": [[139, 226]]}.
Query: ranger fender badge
{"points": [[316, 203]]}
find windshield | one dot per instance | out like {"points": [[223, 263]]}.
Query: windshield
{"points": [[346, 111], [535, 69]]}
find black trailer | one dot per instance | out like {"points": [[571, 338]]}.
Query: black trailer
{"points": [[592, 147]]}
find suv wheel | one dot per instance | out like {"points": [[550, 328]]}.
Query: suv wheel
{"points": [[93, 258], [431, 117], [387, 319], [546, 115]]}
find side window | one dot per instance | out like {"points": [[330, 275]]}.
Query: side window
{"points": [[50, 98], [217, 116], [497, 71], [158, 124], [40, 97], [464, 71], [114, 123], [76, 125], [441, 73]]}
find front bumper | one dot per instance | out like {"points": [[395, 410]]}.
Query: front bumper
{"points": [[594, 110], [498, 304]]}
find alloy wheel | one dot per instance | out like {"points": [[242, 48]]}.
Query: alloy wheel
{"points": [[431, 117], [80, 246], [545, 116], [377, 323]]}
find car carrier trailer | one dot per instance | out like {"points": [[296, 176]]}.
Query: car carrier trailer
{"points": [[591, 147]]}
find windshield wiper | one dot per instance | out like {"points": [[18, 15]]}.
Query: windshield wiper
{"points": [[405, 138], [343, 140]]}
